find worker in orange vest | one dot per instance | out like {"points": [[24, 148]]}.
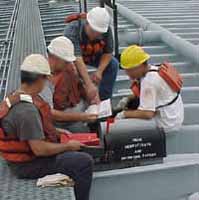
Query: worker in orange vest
{"points": [[92, 37], [158, 89], [28, 140], [65, 92]]}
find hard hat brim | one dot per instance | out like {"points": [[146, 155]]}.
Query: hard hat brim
{"points": [[36, 72]]}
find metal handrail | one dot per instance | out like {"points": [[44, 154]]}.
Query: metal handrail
{"points": [[7, 50]]}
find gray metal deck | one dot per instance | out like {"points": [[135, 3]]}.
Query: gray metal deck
{"points": [[18, 189]]}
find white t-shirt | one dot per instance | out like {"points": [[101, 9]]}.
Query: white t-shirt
{"points": [[155, 92]]}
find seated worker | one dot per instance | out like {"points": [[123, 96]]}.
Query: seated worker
{"points": [[31, 143], [157, 99], [93, 41], [65, 91]]}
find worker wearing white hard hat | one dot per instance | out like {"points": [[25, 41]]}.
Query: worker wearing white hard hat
{"points": [[31, 144], [36, 64], [35, 69], [92, 37], [63, 48], [65, 92]]}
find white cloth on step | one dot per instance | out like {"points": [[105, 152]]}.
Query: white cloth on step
{"points": [[55, 180]]}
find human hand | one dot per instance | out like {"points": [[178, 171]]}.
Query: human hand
{"points": [[123, 103], [90, 117], [120, 115], [74, 145], [96, 77]]}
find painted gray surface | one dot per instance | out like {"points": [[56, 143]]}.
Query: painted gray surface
{"points": [[176, 178], [177, 43]]}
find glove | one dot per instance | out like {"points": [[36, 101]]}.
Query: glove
{"points": [[123, 103], [120, 115]]}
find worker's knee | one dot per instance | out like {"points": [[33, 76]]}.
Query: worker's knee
{"points": [[86, 161], [114, 65], [108, 79], [76, 160]]}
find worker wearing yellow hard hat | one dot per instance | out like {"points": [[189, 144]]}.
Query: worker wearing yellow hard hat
{"points": [[133, 56], [134, 61], [156, 98]]}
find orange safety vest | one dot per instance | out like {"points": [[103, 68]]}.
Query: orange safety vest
{"points": [[89, 48], [171, 76], [68, 89], [14, 150]]}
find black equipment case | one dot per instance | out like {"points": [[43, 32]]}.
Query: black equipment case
{"points": [[131, 140]]}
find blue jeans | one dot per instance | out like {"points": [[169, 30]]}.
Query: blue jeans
{"points": [[77, 165], [108, 79]]}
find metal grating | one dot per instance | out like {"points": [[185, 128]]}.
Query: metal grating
{"points": [[8, 15], [18, 189], [29, 38], [181, 17]]}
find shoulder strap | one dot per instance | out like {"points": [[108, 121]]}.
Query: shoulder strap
{"points": [[75, 17], [173, 100], [153, 70], [170, 103]]}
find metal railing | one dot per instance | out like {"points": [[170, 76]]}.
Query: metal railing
{"points": [[7, 50]]}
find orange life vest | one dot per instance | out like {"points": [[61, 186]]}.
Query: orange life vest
{"points": [[89, 48], [14, 150], [169, 74], [68, 89]]}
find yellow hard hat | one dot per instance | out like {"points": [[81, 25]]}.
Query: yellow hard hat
{"points": [[133, 56]]}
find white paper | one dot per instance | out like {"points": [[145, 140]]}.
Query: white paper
{"points": [[102, 110]]}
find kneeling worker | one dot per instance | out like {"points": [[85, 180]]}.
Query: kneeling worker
{"points": [[65, 92], [30, 143], [93, 41], [158, 99]]}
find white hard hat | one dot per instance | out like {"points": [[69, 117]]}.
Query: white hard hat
{"points": [[63, 48], [36, 63], [99, 19]]}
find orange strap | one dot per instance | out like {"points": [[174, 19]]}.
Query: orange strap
{"points": [[109, 121], [75, 17], [135, 88]]}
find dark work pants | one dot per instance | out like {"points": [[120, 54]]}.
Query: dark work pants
{"points": [[108, 79], [77, 165]]}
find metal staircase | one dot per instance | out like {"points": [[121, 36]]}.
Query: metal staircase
{"points": [[27, 26]]}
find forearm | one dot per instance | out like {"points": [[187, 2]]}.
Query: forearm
{"points": [[48, 149], [82, 69], [140, 114], [104, 61], [67, 116]]}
